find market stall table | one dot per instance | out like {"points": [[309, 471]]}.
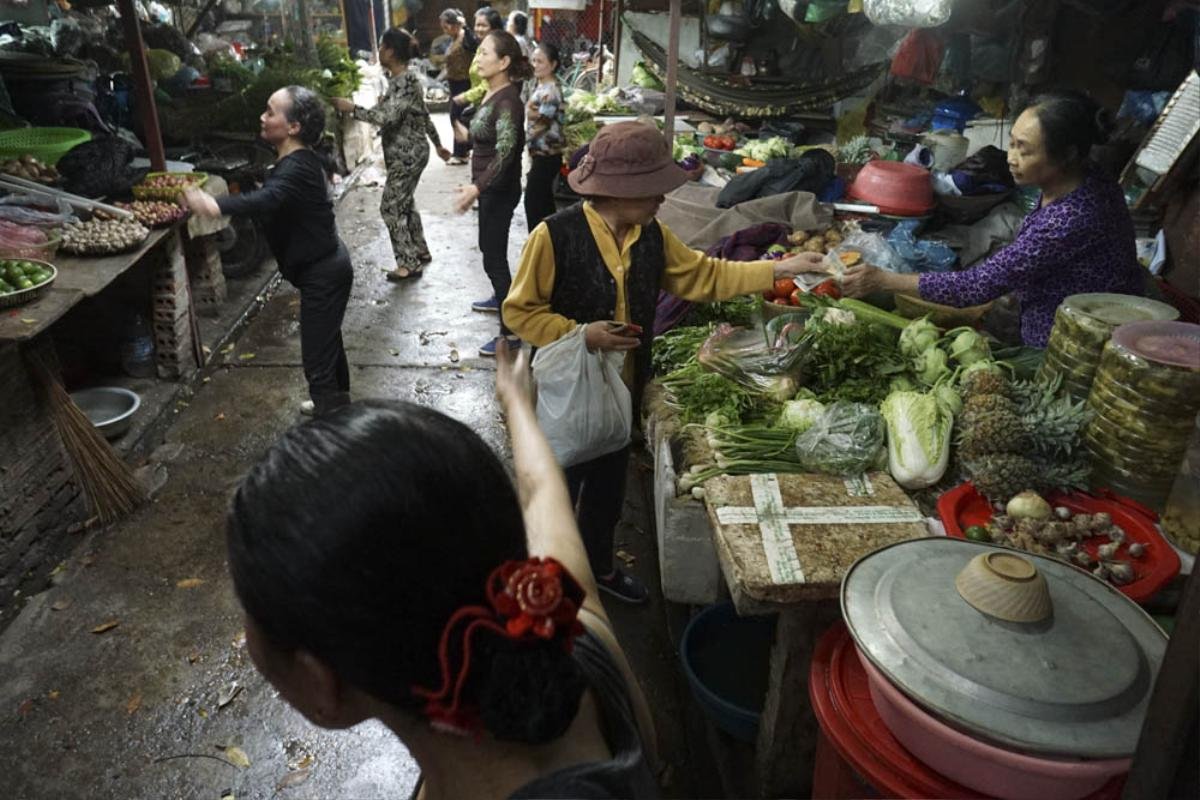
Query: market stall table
{"points": [[784, 543]]}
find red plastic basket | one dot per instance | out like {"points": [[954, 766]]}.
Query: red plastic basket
{"points": [[963, 506]]}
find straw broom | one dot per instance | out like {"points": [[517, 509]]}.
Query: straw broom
{"points": [[109, 484]]}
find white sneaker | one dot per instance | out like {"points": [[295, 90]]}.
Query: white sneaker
{"points": [[308, 408]]}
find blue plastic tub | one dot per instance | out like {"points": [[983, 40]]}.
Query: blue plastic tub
{"points": [[726, 659]]}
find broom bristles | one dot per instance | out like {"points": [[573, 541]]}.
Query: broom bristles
{"points": [[107, 481]]}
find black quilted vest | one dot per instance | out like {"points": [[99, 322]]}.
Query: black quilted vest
{"points": [[584, 289]]}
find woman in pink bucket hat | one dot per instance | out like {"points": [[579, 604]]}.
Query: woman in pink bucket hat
{"points": [[601, 264]]}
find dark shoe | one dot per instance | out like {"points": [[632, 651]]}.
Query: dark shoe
{"points": [[488, 350], [401, 274], [489, 306], [624, 587], [425, 258]]}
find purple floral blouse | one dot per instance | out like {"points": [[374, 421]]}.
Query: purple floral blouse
{"points": [[1082, 242]]}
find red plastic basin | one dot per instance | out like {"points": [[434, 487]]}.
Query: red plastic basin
{"points": [[900, 189]]}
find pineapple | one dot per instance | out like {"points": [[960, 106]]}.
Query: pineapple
{"points": [[1056, 426], [981, 433], [984, 383], [999, 476], [989, 404]]}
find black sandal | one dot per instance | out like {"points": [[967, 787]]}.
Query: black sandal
{"points": [[395, 277]]}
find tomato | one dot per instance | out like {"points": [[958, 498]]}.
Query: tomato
{"points": [[784, 287], [712, 142], [796, 297], [828, 288], [768, 295]]}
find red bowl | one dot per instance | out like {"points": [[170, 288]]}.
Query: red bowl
{"points": [[897, 188]]}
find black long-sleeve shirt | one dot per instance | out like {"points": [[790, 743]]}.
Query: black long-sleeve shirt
{"points": [[295, 209]]}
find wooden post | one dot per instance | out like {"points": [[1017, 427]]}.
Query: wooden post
{"points": [[600, 42], [617, 41], [142, 85], [672, 72]]}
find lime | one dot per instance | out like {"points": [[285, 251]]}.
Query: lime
{"points": [[24, 283], [978, 533]]}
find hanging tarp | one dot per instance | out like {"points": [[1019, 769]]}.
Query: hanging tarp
{"points": [[724, 98]]}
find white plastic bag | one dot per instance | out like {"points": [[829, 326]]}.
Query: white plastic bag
{"points": [[909, 13], [582, 404]]}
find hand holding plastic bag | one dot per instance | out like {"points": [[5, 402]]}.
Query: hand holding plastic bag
{"points": [[846, 440], [583, 405]]}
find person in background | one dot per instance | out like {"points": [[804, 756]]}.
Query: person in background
{"points": [[296, 212], [544, 132], [1080, 238], [458, 72], [600, 264], [518, 26], [405, 124], [482, 645], [487, 20], [498, 137]]}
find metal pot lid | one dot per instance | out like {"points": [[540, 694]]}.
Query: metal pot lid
{"points": [[1076, 684]]}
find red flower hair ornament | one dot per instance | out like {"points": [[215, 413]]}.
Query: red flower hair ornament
{"points": [[532, 600]]}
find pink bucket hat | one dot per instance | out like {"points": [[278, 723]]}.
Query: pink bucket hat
{"points": [[627, 159]]}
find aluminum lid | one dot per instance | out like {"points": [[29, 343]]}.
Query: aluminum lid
{"points": [[1074, 685]]}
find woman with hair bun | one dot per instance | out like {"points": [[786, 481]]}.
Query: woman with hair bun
{"points": [[498, 141], [458, 71], [1079, 239], [297, 214], [481, 644]]}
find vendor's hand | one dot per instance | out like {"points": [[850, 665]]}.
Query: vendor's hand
{"points": [[514, 379], [801, 262], [201, 203], [864, 279], [605, 335], [342, 104], [459, 99], [467, 195], [444, 154]]}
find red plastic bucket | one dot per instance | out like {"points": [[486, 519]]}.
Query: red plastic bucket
{"points": [[857, 756]]}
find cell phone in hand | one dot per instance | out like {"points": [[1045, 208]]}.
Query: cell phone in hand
{"points": [[625, 329]]}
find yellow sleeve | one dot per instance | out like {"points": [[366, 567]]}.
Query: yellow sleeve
{"points": [[479, 87], [527, 307], [694, 276]]}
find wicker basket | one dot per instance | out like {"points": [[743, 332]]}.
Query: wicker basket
{"points": [[47, 145], [23, 296], [143, 192]]}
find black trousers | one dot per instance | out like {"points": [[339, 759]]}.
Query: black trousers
{"points": [[597, 489], [461, 149], [539, 188], [324, 291], [495, 218]]}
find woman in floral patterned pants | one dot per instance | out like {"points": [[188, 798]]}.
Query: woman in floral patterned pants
{"points": [[404, 120]]}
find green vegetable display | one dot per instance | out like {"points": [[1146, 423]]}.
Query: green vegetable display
{"points": [[918, 433], [678, 347], [846, 440], [800, 415], [855, 361], [766, 149]]}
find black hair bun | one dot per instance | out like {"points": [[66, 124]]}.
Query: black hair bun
{"points": [[531, 692], [1105, 124]]}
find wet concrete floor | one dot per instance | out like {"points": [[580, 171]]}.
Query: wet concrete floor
{"points": [[165, 702]]}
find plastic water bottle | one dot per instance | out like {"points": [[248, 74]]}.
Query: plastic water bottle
{"points": [[137, 351]]}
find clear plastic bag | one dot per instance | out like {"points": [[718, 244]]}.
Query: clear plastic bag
{"points": [[862, 248], [583, 405], [746, 357], [909, 13], [847, 440]]}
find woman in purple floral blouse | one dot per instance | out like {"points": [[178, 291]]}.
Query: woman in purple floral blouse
{"points": [[1079, 239]]}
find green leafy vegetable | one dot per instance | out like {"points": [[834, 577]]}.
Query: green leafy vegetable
{"points": [[800, 415], [846, 440], [918, 433]]}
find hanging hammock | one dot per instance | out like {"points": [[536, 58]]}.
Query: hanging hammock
{"points": [[724, 98]]}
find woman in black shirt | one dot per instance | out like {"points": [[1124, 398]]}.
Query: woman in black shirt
{"points": [[297, 215]]}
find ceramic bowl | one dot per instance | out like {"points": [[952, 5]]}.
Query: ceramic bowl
{"points": [[1006, 586]]}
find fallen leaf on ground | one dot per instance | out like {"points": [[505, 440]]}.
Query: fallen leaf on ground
{"points": [[135, 702], [236, 755], [61, 605], [239, 641], [229, 348], [454, 356], [106, 626], [628, 558], [246, 356], [189, 583], [303, 763], [193, 657], [88, 560], [24, 709], [28, 321], [201, 713], [226, 696], [220, 417], [61, 567], [292, 779], [54, 694]]}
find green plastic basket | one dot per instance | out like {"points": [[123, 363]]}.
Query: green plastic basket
{"points": [[47, 145]]}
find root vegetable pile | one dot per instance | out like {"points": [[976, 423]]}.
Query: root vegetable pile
{"points": [[155, 213], [30, 169], [166, 187], [102, 236]]}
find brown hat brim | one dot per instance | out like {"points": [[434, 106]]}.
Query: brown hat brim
{"points": [[666, 178]]}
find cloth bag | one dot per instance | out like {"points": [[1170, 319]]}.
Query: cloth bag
{"points": [[583, 405]]}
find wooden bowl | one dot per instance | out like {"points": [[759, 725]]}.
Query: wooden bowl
{"points": [[1004, 585]]}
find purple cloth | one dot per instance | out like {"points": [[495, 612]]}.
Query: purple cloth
{"points": [[1079, 243]]}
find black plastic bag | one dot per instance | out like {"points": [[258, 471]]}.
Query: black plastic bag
{"points": [[100, 168], [808, 173]]}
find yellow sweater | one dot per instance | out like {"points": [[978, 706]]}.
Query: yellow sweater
{"points": [[688, 274]]}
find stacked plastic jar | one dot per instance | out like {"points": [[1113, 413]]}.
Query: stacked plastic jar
{"points": [[1082, 326], [1144, 402]]}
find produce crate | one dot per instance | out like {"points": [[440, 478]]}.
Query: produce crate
{"points": [[47, 145]]}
